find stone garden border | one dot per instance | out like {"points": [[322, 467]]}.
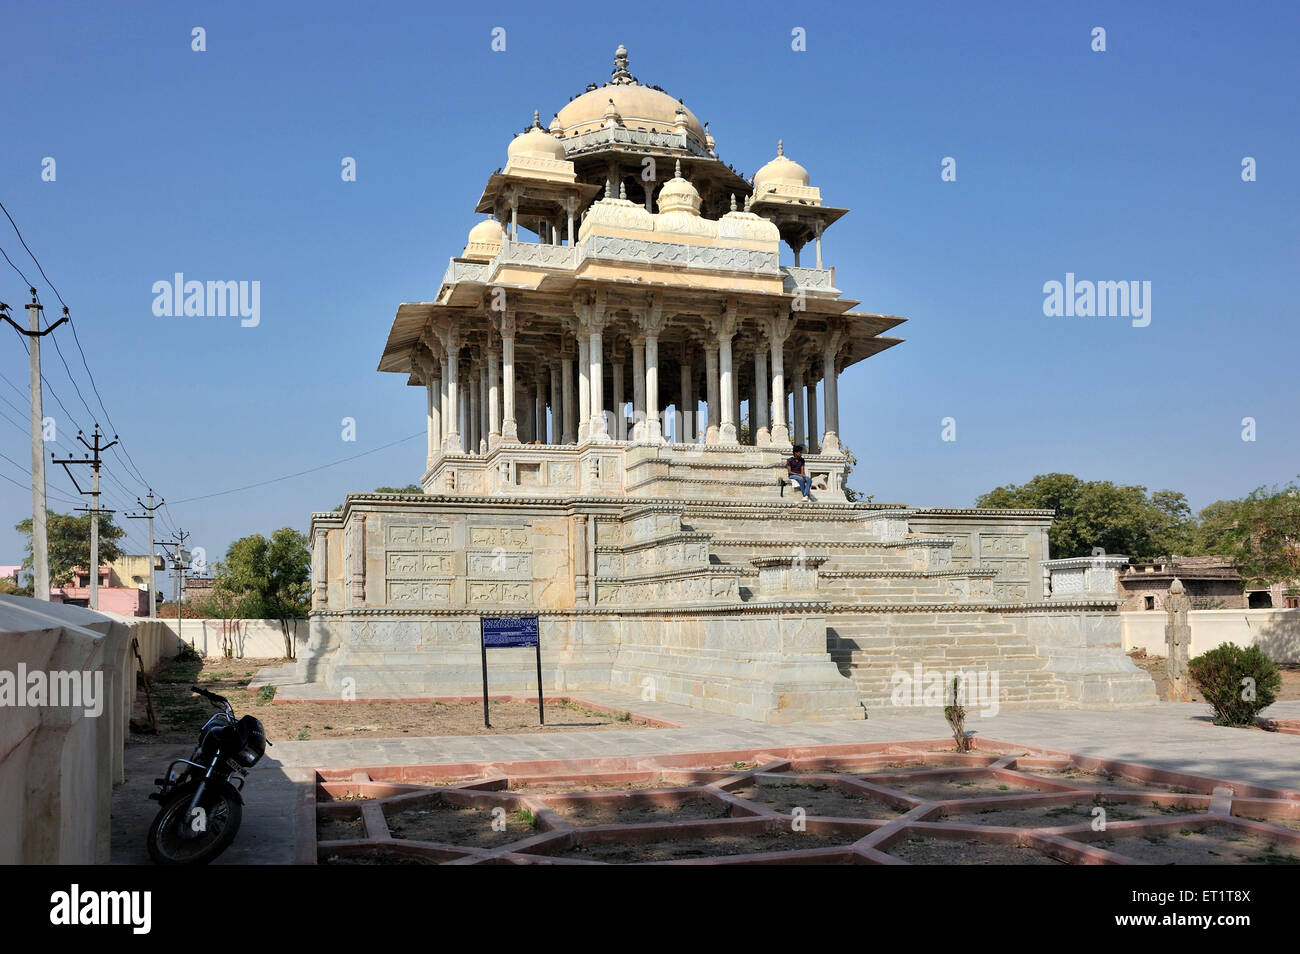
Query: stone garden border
{"points": [[712, 776]]}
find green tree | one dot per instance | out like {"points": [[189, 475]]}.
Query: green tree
{"points": [[1121, 519], [1213, 524], [69, 543], [1263, 541], [271, 578]]}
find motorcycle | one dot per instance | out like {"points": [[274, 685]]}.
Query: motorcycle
{"points": [[200, 797]]}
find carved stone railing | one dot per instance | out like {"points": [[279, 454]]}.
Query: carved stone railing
{"points": [[1076, 578], [688, 256], [620, 135], [815, 278], [465, 272], [537, 254]]}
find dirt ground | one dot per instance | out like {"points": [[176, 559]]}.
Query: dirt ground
{"points": [[454, 825], [181, 713], [816, 800], [919, 850], [1154, 666], [609, 813], [969, 786], [714, 846], [1215, 845], [1074, 813], [1102, 780]]}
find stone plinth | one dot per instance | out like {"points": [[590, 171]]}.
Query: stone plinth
{"points": [[1078, 577], [784, 576]]}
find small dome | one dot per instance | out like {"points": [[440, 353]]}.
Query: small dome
{"points": [[536, 142], [780, 171], [487, 232], [484, 241], [678, 195]]}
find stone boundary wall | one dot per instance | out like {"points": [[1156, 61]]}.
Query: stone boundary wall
{"points": [[59, 763], [1275, 631], [255, 638]]}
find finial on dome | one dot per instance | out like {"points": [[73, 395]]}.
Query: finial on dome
{"points": [[733, 202], [537, 119], [620, 74], [780, 147], [622, 190], [609, 188], [677, 170]]}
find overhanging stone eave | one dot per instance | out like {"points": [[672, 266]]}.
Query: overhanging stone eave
{"points": [[404, 333]]}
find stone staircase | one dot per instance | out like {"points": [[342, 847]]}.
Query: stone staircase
{"points": [[881, 653], [898, 602]]}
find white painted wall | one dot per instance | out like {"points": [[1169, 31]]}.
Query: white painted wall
{"points": [[256, 638], [1275, 631]]}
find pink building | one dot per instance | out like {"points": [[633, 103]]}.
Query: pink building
{"points": [[123, 600]]}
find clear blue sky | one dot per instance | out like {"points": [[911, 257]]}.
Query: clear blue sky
{"points": [[1122, 165]]}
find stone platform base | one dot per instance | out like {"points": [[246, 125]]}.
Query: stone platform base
{"points": [[760, 666]]}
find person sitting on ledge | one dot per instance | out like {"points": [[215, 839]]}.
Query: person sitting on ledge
{"points": [[795, 471]]}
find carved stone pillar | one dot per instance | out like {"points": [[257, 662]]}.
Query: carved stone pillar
{"points": [[509, 425], [711, 385], [584, 386], [444, 404], [616, 357], [320, 569], [357, 560], [557, 406], [453, 445], [688, 412], [433, 406], [724, 328], [570, 398], [651, 322], [494, 397], [777, 327], [474, 412], [811, 405], [758, 406], [539, 407], [797, 388], [580, 559], [484, 421], [598, 430], [653, 426], [831, 389], [638, 389]]}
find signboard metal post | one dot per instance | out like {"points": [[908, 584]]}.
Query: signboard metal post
{"points": [[510, 631]]}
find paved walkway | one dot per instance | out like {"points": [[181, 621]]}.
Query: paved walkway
{"points": [[1171, 735]]}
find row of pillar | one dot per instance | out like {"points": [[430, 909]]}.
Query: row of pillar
{"points": [[491, 406]]}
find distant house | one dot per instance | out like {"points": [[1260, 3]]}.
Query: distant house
{"points": [[1211, 582], [125, 586], [12, 573]]}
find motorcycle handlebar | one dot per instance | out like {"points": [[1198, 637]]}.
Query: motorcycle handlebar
{"points": [[210, 696]]}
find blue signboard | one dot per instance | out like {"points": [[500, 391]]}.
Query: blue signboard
{"points": [[509, 631]]}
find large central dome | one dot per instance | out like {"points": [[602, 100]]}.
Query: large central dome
{"points": [[637, 106]]}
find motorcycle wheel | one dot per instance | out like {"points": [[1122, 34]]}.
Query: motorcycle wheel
{"points": [[172, 840]]}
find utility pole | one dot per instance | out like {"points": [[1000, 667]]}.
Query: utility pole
{"points": [[40, 537], [179, 558], [95, 463], [148, 515]]}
